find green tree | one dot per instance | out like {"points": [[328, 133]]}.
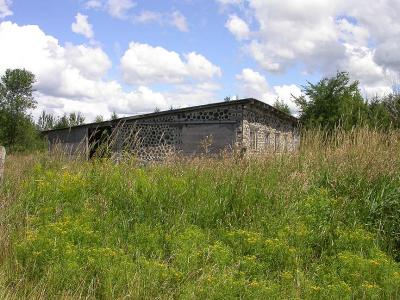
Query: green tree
{"points": [[378, 114], [98, 119], [16, 100], [392, 106], [280, 105], [46, 121], [114, 116], [73, 119], [332, 102]]}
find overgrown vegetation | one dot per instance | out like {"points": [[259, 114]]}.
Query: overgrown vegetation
{"points": [[337, 102], [48, 121], [282, 106], [330, 103], [322, 223], [17, 130]]}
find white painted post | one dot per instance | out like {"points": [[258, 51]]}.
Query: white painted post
{"points": [[2, 162]]}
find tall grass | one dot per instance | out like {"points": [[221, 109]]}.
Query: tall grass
{"points": [[320, 223]]}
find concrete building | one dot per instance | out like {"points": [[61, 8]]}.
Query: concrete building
{"points": [[247, 125]]}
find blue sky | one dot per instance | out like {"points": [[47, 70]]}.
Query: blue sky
{"points": [[130, 56]]}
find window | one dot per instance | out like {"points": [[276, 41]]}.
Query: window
{"points": [[267, 139], [277, 141], [253, 140]]}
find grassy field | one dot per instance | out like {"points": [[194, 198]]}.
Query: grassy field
{"points": [[320, 224]]}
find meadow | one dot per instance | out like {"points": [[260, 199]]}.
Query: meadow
{"points": [[322, 223]]}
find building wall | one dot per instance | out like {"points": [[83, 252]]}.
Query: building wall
{"points": [[264, 131], [71, 141], [209, 138], [250, 126], [187, 132]]}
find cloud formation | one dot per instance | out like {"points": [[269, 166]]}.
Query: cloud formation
{"points": [[74, 77], [238, 27], [82, 26], [116, 8], [5, 9], [253, 84], [119, 8], [175, 19], [145, 64], [322, 36]]}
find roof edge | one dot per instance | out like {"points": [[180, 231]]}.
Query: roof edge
{"points": [[185, 109]]}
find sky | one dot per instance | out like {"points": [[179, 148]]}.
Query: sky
{"points": [[132, 56]]}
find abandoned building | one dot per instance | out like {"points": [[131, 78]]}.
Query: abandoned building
{"points": [[247, 125]]}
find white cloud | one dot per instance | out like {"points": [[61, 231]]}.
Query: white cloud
{"points": [[5, 10], [119, 8], [386, 54], [143, 63], [175, 19], [179, 21], [253, 84], [295, 31], [238, 27], [230, 2], [323, 36], [148, 16], [352, 33], [93, 63], [69, 78], [73, 77], [193, 94], [93, 4], [286, 93], [201, 68], [82, 26], [374, 78]]}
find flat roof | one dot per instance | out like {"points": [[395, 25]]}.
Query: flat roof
{"points": [[258, 103]]}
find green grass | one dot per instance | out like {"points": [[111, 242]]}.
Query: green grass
{"points": [[320, 224]]}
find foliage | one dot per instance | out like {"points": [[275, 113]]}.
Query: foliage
{"points": [[319, 224], [98, 119], [73, 119], [280, 105], [114, 116], [378, 113], [16, 99], [46, 121], [332, 102], [392, 105]]}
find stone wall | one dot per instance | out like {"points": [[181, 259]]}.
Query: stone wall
{"points": [[148, 141], [246, 124], [264, 131], [156, 137]]}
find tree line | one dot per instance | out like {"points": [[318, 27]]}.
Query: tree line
{"points": [[18, 129], [330, 103]]}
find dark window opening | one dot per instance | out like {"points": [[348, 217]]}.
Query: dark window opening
{"points": [[99, 142]]}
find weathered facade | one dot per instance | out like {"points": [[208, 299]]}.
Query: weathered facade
{"points": [[247, 125]]}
